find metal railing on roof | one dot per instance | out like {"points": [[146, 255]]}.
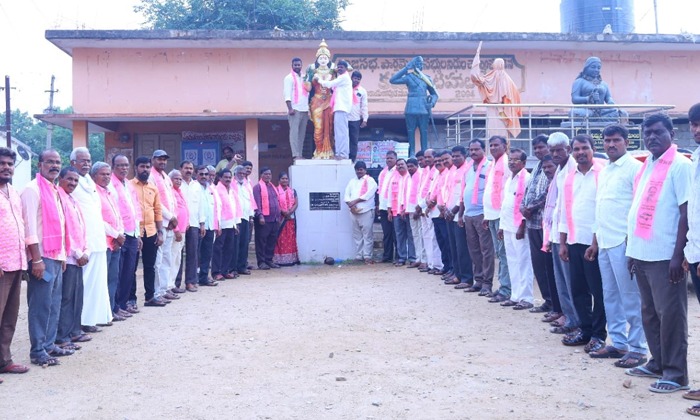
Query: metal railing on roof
{"points": [[473, 121]]}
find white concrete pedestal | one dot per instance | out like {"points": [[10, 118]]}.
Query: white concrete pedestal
{"points": [[322, 233]]}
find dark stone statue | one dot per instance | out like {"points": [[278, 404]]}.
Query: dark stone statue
{"points": [[419, 105], [589, 88]]}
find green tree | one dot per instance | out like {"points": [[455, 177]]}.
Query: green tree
{"points": [[33, 133], [308, 15]]}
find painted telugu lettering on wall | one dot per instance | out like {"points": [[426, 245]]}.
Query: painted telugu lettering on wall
{"points": [[450, 73]]}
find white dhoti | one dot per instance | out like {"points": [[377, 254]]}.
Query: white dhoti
{"points": [[176, 257], [96, 306], [164, 264], [519, 267], [430, 244], [416, 226]]}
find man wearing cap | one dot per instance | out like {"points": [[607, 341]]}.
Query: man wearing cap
{"points": [[162, 181]]}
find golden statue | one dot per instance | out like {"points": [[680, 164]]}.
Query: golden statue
{"points": [[320, 109]]}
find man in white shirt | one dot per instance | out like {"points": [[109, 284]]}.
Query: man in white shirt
{"points": [[388, 237], [245, 197], [342, 92], [192, 191], [409, 203], [430, 243], [471, 215], [452, 191], [358, 114], [359, 196], [493, 199], [692, 249], [656, 236], [560, 150], [211, 224], [512, 233], [576, 236], [96, 305], [623, 303], [297, 100]]}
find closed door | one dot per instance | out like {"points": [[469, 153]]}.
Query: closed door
{"points": [[147, 143]]}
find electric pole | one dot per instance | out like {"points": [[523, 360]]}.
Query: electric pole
{"points": [[8, 113], [50, 110]]}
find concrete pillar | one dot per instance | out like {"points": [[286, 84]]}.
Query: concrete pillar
{"points": [[80, 134], [252, 151]]}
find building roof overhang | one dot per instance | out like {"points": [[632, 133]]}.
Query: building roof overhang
{"points": [[67, 40]]}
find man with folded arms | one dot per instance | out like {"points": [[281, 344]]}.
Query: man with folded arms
{"points": [[410, 201], [192, 191], [430, 243], [45, 236], [471, 215], [576, 236], [656, 236], [101, 173], [435, 207], [623, 303], [69, 327], [151, 231], [247, 202], [493, 200], [359, 196], [96, 304], [127, 201], [402, 229], [13, 260]]}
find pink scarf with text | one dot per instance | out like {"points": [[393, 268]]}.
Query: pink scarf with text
{"points": [[183, 213], [519, 195], [296, 77], [498, 171], [129, 223], [52, 241], [162, 187], [215, 196], [652, 190], [75, 223], [225, 201]]}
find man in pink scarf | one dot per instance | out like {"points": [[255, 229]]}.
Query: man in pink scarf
{"points": [[101, 173], [45, 236], [69, 326], [297, 100], [183, 218], [267, 219]]}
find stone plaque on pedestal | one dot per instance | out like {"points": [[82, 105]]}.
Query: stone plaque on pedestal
{"points": [[323, 218]]}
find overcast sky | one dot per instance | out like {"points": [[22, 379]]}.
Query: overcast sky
{"points": [[30, 60]]}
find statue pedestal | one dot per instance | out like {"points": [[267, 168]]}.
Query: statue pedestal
{"points": [[323, 219]]}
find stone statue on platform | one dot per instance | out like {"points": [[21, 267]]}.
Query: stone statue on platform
{"points": [[320, 109], [589, 88], [496, 87], [419, 105]]}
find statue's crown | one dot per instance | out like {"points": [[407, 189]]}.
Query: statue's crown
{"points": [[323, 49]]}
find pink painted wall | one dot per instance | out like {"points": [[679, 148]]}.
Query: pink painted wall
{"points": [[249, 81]]}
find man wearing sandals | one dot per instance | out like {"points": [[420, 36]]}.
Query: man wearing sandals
{"points": [[692, 249], [13, 260], [657, 228], [576, 238], [623, 304], [45, 236]]}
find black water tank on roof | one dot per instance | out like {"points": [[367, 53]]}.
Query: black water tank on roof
{"points": [[591, 16]]}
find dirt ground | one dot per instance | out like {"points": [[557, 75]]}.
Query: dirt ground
{"points": [[342, 342]]}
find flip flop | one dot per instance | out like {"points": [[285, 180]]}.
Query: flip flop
{"points": [[608, 352], [638, 358], [642, 372], [16, 368], [689, 395], [694, 410], [81, 338], [675, 387]]}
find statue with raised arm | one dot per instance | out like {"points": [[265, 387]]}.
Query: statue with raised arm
{"points": [[422, 97], [589, 88], [496, 87]]}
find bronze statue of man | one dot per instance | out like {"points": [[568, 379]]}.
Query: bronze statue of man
{"points": [[419, 105]]}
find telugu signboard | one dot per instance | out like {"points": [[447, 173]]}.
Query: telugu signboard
{"points": [[635, 137], [449, 72], [324, 201]]}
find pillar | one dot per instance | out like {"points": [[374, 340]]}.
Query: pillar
{"points": [[252, 151], [80, 134]]}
